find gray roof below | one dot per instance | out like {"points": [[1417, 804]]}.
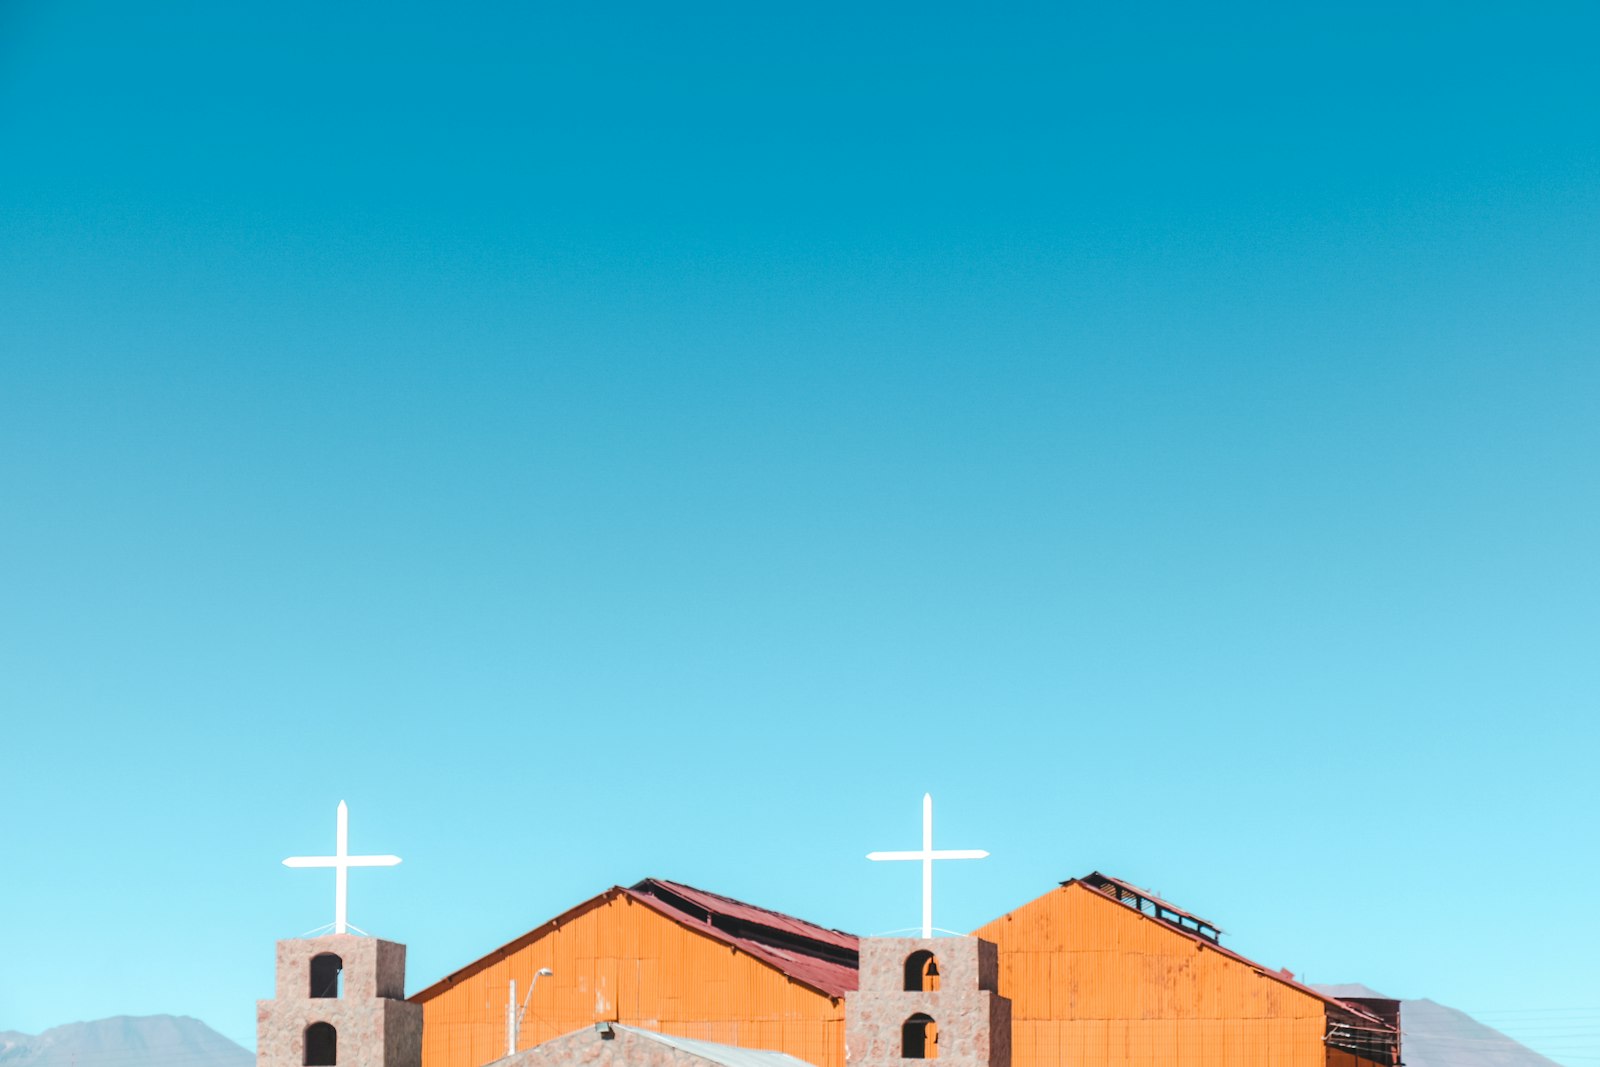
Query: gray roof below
{"points": [[588, 1047], [716, 1052]]}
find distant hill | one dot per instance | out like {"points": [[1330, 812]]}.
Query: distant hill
{"points": [[125, 1041], [1432, 1035]]}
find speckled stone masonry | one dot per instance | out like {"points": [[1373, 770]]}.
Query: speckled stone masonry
{"points": [[376, 1026], [974, 1022]]}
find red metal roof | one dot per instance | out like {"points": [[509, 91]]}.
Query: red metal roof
{"points": [[824, 959], [849, 944], [814, 956]]}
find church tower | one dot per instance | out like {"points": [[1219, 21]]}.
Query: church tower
{"points": [[340, 1002], [928, 999], [340, 999]]}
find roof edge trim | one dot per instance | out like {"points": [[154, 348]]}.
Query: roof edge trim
{"points": [[494, 956]]}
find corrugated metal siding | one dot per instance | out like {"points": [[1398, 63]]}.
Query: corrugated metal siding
{"points": [[1093, 983], [625, 962]]}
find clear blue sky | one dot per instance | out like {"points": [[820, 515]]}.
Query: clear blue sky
{"points": [[600, 442]]}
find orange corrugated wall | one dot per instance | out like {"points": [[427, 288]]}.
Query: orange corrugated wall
{"points": [[1093, 983], [625, 962]]}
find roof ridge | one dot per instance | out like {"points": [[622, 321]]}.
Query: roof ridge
{"points": [[743, 904], [828, 976], [515, 944], [1152, 897]]}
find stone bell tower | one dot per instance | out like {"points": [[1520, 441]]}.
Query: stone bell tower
{"points": [[927, 999], [340, 1000]]}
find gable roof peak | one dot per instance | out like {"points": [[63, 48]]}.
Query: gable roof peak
{"points": [[1147, 903]]}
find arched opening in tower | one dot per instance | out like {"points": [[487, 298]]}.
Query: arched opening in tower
{"points": [[922, 972], [322, 1045], [919, 1038], [326, 971]]}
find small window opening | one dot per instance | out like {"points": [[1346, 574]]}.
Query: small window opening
{"points": [[919, 1038], [326, 973], [322, 1045], [922, 972]]}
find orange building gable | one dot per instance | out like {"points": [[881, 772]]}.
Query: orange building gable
{"points": [[660, 956], [1099, 974], [1102, 973]]}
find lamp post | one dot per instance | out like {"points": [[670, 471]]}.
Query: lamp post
{"points": [[514, 1014]]}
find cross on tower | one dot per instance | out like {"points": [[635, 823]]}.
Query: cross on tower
{"points": [[927, 855], [341, 861]]}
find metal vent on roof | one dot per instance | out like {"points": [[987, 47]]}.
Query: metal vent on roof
{"points": [[1149, 904]]}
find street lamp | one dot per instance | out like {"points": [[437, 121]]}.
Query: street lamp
{"points": [[514, 1014]]}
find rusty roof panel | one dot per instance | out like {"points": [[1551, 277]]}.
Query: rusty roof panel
{"points": [[813, 955], [715, 904]]}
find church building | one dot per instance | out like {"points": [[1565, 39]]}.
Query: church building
{"points": [[1095, 973]]}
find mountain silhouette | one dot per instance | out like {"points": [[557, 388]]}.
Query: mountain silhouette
{"points": [[125, 1041], [1433, 1035]]}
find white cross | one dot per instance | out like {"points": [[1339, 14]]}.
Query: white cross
{"points": [[341, 861], [927, 855]]}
